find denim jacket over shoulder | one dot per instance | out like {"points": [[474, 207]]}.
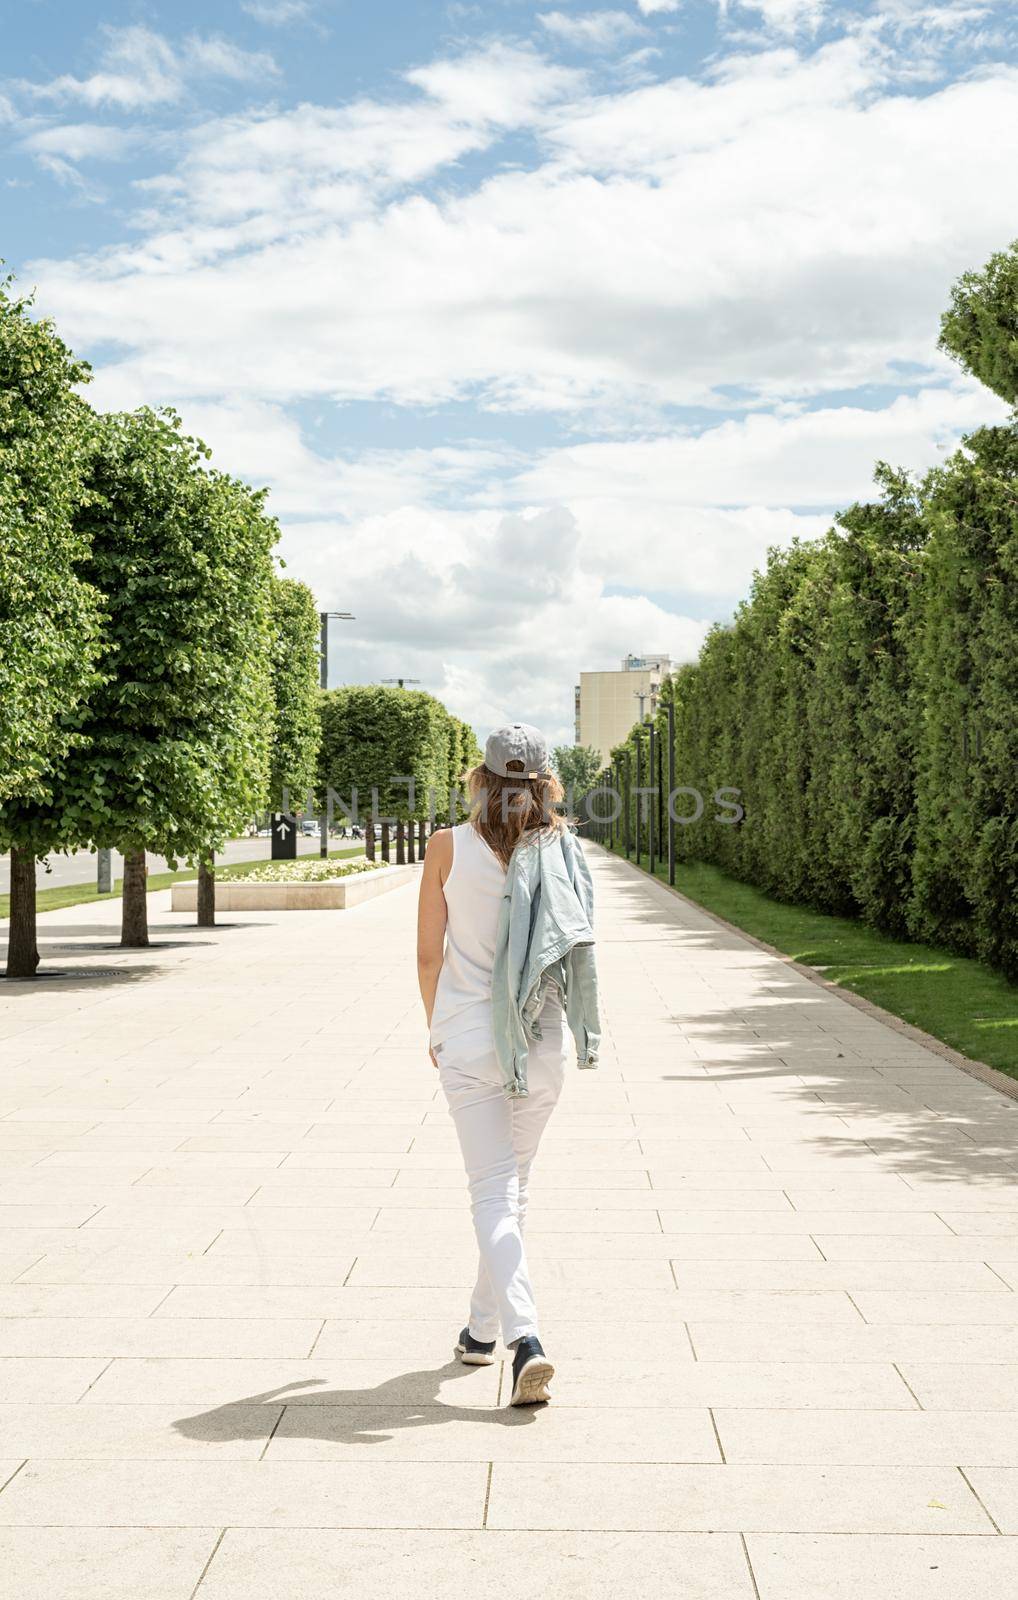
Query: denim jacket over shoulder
{"points": [[545, 938]]}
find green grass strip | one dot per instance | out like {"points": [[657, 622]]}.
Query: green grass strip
{"points": [[78, 894], [958, 1000]]}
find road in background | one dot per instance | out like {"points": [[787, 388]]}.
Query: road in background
{"points": [[81, 867]]}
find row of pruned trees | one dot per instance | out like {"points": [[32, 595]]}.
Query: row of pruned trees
{"points": [[396, 755], [864, 701], [158, 679]]}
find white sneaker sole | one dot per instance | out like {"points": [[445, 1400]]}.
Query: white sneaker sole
{"points": [[475, 1358], [531, 1387]]}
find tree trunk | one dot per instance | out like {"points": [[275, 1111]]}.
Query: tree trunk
{"points": [[422, 838], [207, 893], [134, 924], [411, 835], [22, 952], [369, 841], [401, 844], [385, 842]]}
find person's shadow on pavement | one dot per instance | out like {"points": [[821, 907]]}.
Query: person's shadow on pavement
{"points": [[347, 1416]]}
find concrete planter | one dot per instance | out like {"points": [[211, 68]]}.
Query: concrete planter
{"points": [[335, 894]]}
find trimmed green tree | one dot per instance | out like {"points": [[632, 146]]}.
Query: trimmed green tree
{"points": [[178, 733], [577, 766], [980, 327], [50, 615], [296, 723]]}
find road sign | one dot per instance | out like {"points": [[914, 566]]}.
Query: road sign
{"points": [[284, 837]]}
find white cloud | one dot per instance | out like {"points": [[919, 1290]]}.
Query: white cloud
{"points": [[785, 16], [140, 68], [276, 13], [221, 59], [591, 30], [504, 85], [79, 141], [676, 242], [759, 240], [650, 7]]}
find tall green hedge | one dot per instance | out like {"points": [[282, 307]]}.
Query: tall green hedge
{"points": [[863, 701], [864, 698]]}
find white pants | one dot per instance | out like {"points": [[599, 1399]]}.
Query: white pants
{"points": [[499, 1137]]}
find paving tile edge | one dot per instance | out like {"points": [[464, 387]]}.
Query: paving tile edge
{"points": [[993, 1078]]}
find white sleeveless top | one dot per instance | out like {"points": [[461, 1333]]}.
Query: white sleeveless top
{"points": [[473, 897]]}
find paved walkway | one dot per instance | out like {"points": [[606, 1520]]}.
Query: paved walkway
{"points": [[775, 1245]]}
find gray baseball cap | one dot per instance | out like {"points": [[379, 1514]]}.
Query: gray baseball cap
{"points": [[517, 741]]}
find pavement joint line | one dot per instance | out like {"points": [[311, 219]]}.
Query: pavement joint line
{"points": [[90, 1385], [717, 1435], [996, 1274], [908, 1386], [11, 1477], [272, 1432], [487, 1494], [749, 1565], [201, 1576], [18, 1276], [980, 1502], [316, 1338], [163, 1301]]}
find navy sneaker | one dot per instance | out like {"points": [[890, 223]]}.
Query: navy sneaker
{"points": [[474, 1352], [531, 1373]]}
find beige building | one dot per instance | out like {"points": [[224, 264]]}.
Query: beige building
{"points": [[608, 703]]}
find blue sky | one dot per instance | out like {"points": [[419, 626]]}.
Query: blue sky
{"points": [[542, 323]]}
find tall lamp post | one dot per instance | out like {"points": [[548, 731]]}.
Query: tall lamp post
{"points": [[323, 649], [324, 617]]}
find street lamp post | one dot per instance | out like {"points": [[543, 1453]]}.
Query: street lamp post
{"points": [[324, 618], [323, 649]]}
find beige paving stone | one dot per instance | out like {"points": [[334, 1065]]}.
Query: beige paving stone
{"points": [[324, 1380], [854, 1276], [901, 1342], [262, 1152], [128, 1432], [866, 1567], [400, 1272], [95, 1336], [986, 1223], [985, 1382], [286, 1565], [188, 1493], [105, 1563], [874, 1438], [558, 1433], [37, 1378], [636, 1382], [898, 1247], [541, 1218], [19, 1300], [968, 1306], [737, 1498], [997, 1488]]}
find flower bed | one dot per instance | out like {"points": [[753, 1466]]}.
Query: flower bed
{"points": [[306, 870]]}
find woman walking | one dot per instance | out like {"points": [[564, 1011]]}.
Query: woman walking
{"points": [[506, 970]]}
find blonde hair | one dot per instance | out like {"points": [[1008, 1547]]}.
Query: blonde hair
{"points": [[506, 810]]}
